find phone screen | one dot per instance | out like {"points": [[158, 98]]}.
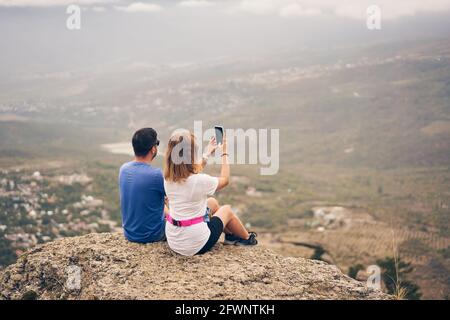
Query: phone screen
{"points": [[219, 134]]}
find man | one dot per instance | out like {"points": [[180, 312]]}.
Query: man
{"points": [[142, 191]]}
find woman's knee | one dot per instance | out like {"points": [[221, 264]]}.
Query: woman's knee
{"points": [[227, 208], [225, 214], [213, 204], [229, 212]]}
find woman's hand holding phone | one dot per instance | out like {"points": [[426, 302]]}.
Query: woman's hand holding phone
{"points": [[215, 144], [212, 146]]}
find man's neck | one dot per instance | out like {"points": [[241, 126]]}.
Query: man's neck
{"points": [[146, 160]]}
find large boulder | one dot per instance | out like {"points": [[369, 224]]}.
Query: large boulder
{"points": [[106, 266]]}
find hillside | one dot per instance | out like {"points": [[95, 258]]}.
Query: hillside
{"points": [[112, 268]]}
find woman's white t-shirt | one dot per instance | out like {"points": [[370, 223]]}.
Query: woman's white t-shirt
{"points": [[188, 200]]}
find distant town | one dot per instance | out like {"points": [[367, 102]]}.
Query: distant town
{"points": [[35, 208]]}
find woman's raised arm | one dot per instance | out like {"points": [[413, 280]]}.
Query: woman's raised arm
{"points": [[224, 178]]}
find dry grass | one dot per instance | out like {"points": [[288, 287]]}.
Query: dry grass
{"points": [[400, 292]]}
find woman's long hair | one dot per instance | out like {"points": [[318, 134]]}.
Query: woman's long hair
{"points": [[181, 157]]}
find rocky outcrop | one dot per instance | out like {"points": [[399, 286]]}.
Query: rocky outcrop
{"points": [[106, 266]]}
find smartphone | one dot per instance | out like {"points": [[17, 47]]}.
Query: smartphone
{"points": [[219, 134]]}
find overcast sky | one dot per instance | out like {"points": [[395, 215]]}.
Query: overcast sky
{"points": [[34, 33]]}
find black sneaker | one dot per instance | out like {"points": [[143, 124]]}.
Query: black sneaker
{"points": [[251, 241], [231, 239]]}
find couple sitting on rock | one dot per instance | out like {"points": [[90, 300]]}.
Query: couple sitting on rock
{"points": [[177, 206]]}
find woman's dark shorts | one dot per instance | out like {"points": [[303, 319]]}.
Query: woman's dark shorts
{"points": [[216, 228]]}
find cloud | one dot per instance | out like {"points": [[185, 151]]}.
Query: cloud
{"points": [[354, 9], [389, 9], [258, 7], [295, 9], [50, 3], [195, 3], [98, 9], [140, 7]]}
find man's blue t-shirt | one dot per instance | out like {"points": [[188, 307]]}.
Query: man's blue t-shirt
{"points": [[142, 202]]}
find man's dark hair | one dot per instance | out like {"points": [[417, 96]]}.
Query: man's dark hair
{"points": [[143, 141]]}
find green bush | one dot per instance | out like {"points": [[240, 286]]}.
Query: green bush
{"points": [[7, 253], [390, 271], [353, 270]]}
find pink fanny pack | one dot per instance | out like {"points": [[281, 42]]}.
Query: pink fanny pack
{"points": [[189, 222]]}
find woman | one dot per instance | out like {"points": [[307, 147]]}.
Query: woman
{"points": [[189, 228]]}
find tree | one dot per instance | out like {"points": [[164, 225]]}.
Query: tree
{"points": [[7, 253], [353, 270], [393, 275], [318, 253], [380, 190]]}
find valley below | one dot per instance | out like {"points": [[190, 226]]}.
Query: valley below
{"points": [[364, 173]]}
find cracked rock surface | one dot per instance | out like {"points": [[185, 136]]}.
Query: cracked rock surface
{"points": [[106, 266]]}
